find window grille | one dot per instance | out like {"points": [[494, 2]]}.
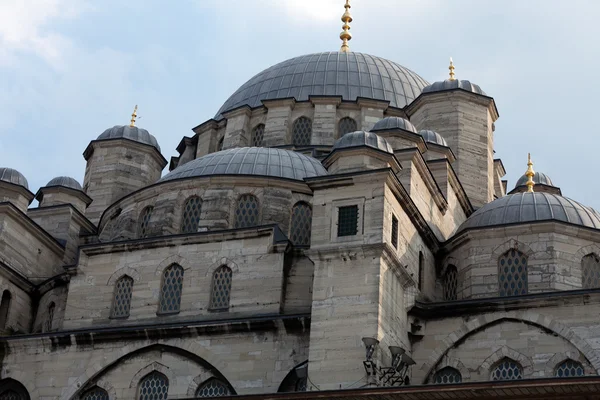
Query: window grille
{"points": [[4, 308], [258, 134], [220, 144], [301, 224], [155, 386], [394, 237], [512, 273], [590, 274], [213, 388], [569, 369], [144, 222], [95, 394], [447, 375], [450, 283], [122, 297], [11, 395], [247, 211], [49, 317], [191, 215], [421, 269], [301, 384], [302, 132], [346, 125], [507, 370], [221, 288], [348, 221], [170, 293]]}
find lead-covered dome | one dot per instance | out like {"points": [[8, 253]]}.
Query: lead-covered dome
{"points": [[13, 176], [531, 207], [391, 123], [130, 132], [453, 84], [259, 161], [362, 138], [433, 137], [539, 178], [349, 75], [65, 181]]}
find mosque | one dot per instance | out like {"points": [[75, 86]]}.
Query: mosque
{"points": [[340, 229]]}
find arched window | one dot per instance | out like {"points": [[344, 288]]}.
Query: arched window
{"points": [[421, 269], [257, 135], [154, 386], [170, 292], [95, 393], [301, 384], [507, 370], [221, 288], [346, 125], [11, 395], [447, 375], [49, 317], [220, 144], [12, 390], [213, 388], [301, 223], [512, 273], [302, 132], [122, 297], [144, 221], [191, 215], [247, 211], [450, 283], [4, 307], [590, 271], [569, 369]]}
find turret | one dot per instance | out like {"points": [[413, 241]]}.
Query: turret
{"points": [[14, 189], [63, 190]]}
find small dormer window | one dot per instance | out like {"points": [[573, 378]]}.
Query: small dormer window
{"points": [[348, 220]]}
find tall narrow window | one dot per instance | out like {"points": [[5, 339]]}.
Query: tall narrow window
{"points": [[394, 238], [221, 288], [4, 307], [512, 273], [302, 131], [144, 222], [346, 125], [257, 135], [247, 211], [301, 223], [191, 215], [507, 370], [569, 369], [450, 286], [421, 269], [447, 375], [154, 386], [590, 271], [213, 388], [49, 317], [95, 394], [220, 144], [122, 297], [170, 292], [347, 221]]}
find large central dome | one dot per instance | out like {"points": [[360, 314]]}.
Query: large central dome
{"points": [[349, 75]]}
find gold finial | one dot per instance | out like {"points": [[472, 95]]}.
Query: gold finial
{"points": [[133, 116], [451, 68], [346, 35], [529, 174]]}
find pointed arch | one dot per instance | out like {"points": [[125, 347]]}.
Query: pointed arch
{"points": [[153, 386], [121, 303], [498, 366], [247, 211], [302, 131], [213, 387], [171, 290], [144, 222], [221, 289], [192, 211], [257, 137], [347, 125], [295, 380], [512, 273], [301, 223]]}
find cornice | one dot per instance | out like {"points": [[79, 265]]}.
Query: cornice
{"points": [[21, 190], [78, 217], [442, 96], [63, 189], [364, 150]]}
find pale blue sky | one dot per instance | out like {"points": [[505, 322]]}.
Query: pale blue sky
{"points": [[69, 69]]}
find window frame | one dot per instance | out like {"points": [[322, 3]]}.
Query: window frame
{"points": [[502, 361], [211, 306], [442, 370], [253, 136], [334, 212], [501, 274], [95, 388], [114, 299], [587, 270], [5, 312], [146, 210], [394, 232], [339, 125], [300, 203], [237, 207], [565, 361], [208, 382], [159, 311], [146, 377], [421, 282], [445, 290], [183, 214], [310, 133]]}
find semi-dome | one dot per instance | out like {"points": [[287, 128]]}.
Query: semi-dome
{"points": [[13, 176], [130, 132], [531, 207], [65, 181], [261, 161], [539, 178], [453, 84], [349, 75], [362, 138], [391, 123], [433, 137]]}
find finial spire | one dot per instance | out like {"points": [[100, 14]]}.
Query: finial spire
{"points": [[451, 68], [346, 35], [529, 174], [133, 116]]}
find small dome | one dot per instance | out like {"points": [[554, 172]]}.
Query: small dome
{"points": [[259, 161], [362, 138], [13, 176], [539, 179], [65, 181], [433, 137], [391, 123], [130, 132], [455, 84], [530, 207]]}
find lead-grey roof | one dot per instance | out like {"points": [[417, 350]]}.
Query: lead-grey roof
{"points": [[65, 181], [530, 207], [362, 138], [130, 132], [391, 123], [349, 75], [539, 178], [433, 137], [13, 176], [455, 84], [260, 161]]}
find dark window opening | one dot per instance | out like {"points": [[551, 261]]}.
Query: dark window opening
{"points": [[348, 221]]}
